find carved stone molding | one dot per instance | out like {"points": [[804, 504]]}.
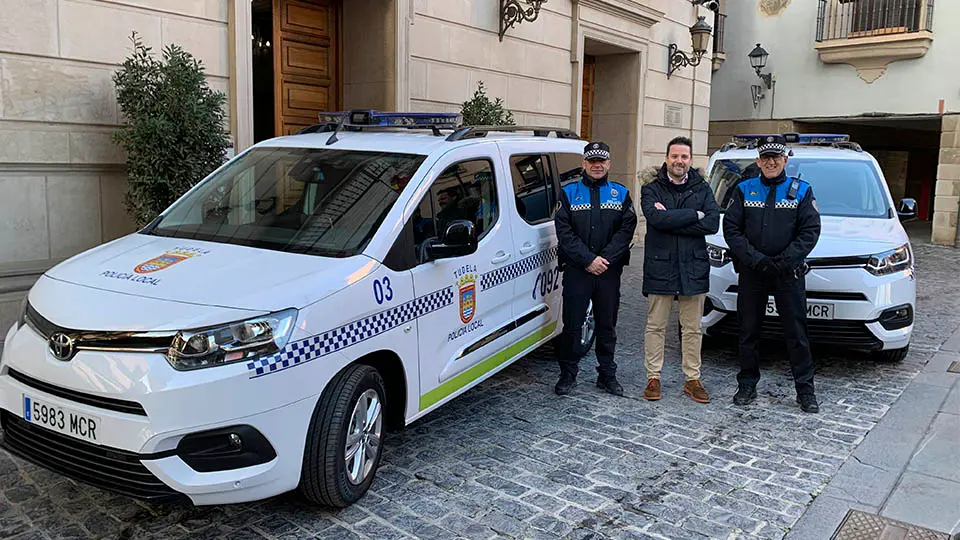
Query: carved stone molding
{"points": [[871, 55]]}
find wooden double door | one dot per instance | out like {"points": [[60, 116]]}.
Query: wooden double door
{"points": [[306, 60]]}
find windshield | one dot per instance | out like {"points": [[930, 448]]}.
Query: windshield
{"points": [[298, 200], [846, 188]]}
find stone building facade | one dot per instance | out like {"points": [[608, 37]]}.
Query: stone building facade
{"points": [[596, 66]]}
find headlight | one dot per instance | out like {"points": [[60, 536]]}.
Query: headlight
{"points": [[891, 261], [22, 314], [718, 256], [233, 342]]}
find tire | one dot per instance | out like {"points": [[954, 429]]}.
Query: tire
{"points": [[892, 356], [588, 333], [325, 478]]}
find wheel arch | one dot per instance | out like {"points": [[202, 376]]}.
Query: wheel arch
{"points": [[394, 376]]}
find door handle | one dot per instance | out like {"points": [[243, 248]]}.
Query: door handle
{"points": [[527, 247], [501, 257]]}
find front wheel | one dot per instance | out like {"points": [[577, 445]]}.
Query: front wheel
{"points": [[345, 438], [892, 356]]}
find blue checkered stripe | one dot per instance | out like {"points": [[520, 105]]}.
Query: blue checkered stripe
{"points": [[350, 334], [510, 272]]}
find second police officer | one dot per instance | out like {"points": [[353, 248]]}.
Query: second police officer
{"points": [[772, 223], [595, 222]]}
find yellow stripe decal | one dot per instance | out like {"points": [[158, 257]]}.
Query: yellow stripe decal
{"points": [[481, 369]]}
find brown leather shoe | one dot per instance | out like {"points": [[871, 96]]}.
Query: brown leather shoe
{"points": [[652, 393], [696, 391]]}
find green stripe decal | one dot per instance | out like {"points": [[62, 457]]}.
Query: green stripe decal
{"points": [[481, 369]]}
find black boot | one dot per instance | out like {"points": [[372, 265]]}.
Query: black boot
{"points": [[565, 384], [745, 395], [610, 384], [808, 403]]}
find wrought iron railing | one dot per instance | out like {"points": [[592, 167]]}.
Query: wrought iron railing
{"points": [[849, 19], [719, 24]]}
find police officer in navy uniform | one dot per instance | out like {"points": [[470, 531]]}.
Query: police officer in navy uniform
{"points": [[771, 225], [595, 222]]}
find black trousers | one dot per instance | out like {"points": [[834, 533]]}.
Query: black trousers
{"points": [[790, 296], [579, 287]]}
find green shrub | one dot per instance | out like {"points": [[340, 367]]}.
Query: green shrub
{"points": [[174, 134], [480, 111]]}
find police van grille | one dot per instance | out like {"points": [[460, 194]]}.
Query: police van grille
{"points": [[842, 333], [118, 405], [106, 468]]}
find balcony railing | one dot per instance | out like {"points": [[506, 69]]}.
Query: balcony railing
{"points": [[850, 19], [719, 23]]}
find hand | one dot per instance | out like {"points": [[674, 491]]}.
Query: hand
{"points": [[598, 266], [700, 215], [659, 206], [766, 265]]}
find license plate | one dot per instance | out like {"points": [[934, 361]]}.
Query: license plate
{"points": [[61, 419], [822, 312]]}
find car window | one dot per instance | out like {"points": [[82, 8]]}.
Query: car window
{"points": [[465, 191], [315, 201], [843, 188], [533, 188], [569, 167]]}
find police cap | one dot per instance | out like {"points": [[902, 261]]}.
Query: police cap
{"points": [[772, 145], [596, 151]]}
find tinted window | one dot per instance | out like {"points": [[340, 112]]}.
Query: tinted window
{"points": [[299, 200], [569, 167], [465, 191], [533, 188], [845, 188]]}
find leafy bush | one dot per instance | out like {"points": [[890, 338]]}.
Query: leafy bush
{"points": [[480, 111], [175, 133]]}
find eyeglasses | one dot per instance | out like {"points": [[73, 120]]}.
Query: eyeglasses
{"points": [[771, 159]]}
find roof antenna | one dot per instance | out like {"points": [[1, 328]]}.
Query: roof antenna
{"points": [[333, 136]]}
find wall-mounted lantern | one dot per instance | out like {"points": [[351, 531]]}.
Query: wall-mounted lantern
{"points": [[513, 12], [699, 36], [758, 59]]}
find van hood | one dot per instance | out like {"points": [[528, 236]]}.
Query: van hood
{"points": [[844, 236], [213, 274]]}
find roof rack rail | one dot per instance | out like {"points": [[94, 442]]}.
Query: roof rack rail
{"points": [[361, 119], [475, 132]]}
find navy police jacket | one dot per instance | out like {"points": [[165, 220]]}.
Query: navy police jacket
{"points": [[773, 218], [595, 218]]}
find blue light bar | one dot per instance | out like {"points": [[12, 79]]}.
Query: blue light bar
{"points": [[386, 119], [802, 138]]}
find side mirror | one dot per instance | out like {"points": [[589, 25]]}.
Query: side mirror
{"points": [[908, 210], [458, 240]]}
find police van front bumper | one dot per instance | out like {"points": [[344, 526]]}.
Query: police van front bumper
{"points": [[846, 307]]}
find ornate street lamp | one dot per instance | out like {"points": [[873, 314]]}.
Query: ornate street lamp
{"points": [[513, 12], [758, 59], [699, 36]]}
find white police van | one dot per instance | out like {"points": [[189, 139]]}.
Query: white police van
{"points": [[265, 330], [861, 289]]}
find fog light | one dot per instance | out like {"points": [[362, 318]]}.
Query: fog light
{"points": [[897, 317], [225, 449]]}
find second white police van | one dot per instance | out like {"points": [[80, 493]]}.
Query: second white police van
{"points": [[264, 332], [861, 289]]}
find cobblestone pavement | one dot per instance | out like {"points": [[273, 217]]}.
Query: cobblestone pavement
{"points": [[511, 459]]}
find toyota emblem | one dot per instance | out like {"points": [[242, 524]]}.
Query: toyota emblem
{"points": [[61, 346]]}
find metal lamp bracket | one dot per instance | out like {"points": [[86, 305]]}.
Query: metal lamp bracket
{"points": [[679, 59], [513, 12]]}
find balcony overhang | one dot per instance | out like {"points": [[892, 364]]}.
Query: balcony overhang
{"points": [[871, 55]]}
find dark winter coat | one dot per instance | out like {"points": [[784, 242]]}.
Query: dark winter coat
{"points": [[595, 219], [675, 250]]}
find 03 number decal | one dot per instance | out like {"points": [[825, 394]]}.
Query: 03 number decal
{"points": [[382, 292], [547, 282]]}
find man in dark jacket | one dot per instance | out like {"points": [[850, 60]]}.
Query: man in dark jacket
{"points": [[595, 222], [771, 225], [680, 210]]}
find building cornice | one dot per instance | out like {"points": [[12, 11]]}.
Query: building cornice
{"points": [[630, 10], [871, 55]]}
